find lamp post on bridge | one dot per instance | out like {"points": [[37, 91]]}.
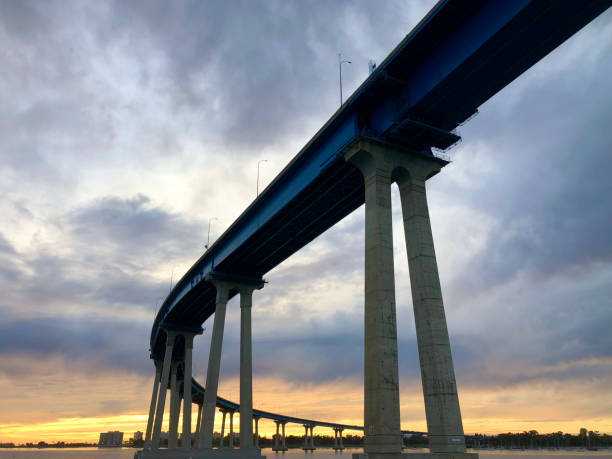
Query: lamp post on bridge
{"points": [[208, 237], [340, 62], [258, 164]]}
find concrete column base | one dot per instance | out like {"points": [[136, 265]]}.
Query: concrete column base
{"points": [[201, 454], [419, 455]]}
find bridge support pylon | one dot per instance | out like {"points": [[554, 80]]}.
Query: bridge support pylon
{"points": [[256, 434], [226, 284], [280, 443], [308, 439], [338, 445], [382, 164], [179, 343]]}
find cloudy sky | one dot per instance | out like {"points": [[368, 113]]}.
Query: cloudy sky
{"points": [[126, 126]]}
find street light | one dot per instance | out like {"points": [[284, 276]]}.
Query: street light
{"points": [[258, 163], [340, 62], [208, 238]]}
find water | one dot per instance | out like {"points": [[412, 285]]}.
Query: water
{"points": [[323, 453]]}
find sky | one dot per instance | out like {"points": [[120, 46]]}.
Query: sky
{"points": [[125, 127]]}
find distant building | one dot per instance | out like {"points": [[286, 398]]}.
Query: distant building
{"points": [[111, 439], [137, 435]]}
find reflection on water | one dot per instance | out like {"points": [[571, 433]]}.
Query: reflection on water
{"points": [[323, 453]]}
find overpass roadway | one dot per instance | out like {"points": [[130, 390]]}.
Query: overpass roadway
{"points": [[460, 55]]}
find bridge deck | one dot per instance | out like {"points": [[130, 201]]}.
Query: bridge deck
{"points": [[455, 59]]}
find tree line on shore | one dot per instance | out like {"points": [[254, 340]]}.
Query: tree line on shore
{"points": [[531, 439]]}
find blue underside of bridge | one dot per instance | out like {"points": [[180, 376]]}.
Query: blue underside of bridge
{"points": [[455, 59]]}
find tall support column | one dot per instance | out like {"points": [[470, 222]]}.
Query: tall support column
{"points": [[246, 369], [381, 387], [214, 364], [335, 438], [175, 406], [284, 443], [305, 436], [158, 369], [277, 436], [231, 432], [197, 427], [444, 425], [187, 401], [161, 402], [312, 446], [222, 439], [256, 438], [381, 164], [341, 445]]}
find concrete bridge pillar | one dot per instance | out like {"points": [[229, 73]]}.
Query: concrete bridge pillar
{"points": [[276, 445], [312, 446], [214, 365], [197, 427], [381, 386], [149, 432], [308, 438], [306, 442], [338, 439], [187, 400], [222, 439], [175, 406], [256, 437], [225, 284], [444, 424], [231, 432], [381, 164], [284, 442], [246, 368], [161, 402]]}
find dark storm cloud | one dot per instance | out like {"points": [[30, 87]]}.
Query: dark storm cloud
{"points": [[550, 189], [260, 74], [105, 342], [134, 227], [259, 70], [115, 238]]}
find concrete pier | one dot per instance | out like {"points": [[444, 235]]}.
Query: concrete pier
{"points": [[163, 389], [308, 441], [338, 444], [256, 435], [187, 400], [175, 407], [223, 415], [231, 432], [381, 165], [381, 385], [149, 432], [279, 440], [214, 365], [246, 369], [444, 425]]}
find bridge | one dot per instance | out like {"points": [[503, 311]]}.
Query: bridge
{"points": [[388, 131]]}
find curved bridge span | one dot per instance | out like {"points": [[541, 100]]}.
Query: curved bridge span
{"points": [[459, 55]]}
